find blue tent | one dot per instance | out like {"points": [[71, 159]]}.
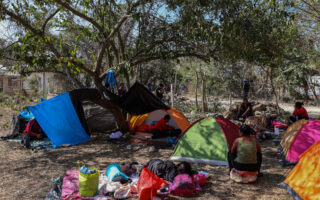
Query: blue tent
{"points": [[59, 120]]}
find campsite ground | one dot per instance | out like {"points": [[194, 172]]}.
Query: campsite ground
{"points": [[27, 175]]}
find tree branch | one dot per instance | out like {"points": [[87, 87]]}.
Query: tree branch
{"points": [[179, 55], [79, 14], [122, 50], [116, 52], [107, 42], [43, 28], [20, 20]]}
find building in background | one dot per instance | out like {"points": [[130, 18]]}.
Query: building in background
{"points": [[10, 83], [45, 84]]}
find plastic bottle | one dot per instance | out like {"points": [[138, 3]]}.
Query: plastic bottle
{"points": [[276, 131]]}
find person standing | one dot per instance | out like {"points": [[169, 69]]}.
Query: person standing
{"points": [[160, 91], [246, 88], [149, 85], [122, 90]]}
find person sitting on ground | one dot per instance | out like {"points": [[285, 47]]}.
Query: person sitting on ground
{"points": [[161, 129], [166, 170], [116, 173], [122, 90], [244, 110], [32, 131], [185, 168], [299, 112], [187, 182], [245, 153], [160, 91]]}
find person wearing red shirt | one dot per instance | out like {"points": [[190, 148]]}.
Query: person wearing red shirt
{"points": [[32, 131], [299, 112], [161, 129]]}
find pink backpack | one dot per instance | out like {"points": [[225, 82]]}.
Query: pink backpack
{"points": [[183, 185]]}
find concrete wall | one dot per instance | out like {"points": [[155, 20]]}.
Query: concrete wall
{"points": [[48, 83], [10, 84]]}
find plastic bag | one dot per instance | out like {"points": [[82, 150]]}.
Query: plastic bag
{"points": [[148, 184], [55, 191], [88, 181], [243, 176]]}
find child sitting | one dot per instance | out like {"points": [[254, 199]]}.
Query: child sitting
{"points": [[187, 182]]}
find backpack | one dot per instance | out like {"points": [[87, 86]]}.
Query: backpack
{"points": [[183, 185]]}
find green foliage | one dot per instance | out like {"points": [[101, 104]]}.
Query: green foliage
{"points": [[229, 37]]}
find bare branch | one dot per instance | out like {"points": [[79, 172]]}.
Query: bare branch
{"points": [[116, 52], [48, 19], [20, 20], [178, 55], [121, 45], [79, 14], [107, 42]]}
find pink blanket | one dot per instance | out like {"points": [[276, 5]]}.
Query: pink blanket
{"points": [[70, 187]]}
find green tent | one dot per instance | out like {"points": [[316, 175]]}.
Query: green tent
{"points": [[207, 141]]}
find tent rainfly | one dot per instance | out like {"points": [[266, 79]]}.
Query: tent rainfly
{"points": [[207, 141]]}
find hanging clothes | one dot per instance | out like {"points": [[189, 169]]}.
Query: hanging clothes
{"points": [[110, 80]]}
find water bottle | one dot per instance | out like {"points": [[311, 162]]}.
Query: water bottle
{"points": [[276, 131]]}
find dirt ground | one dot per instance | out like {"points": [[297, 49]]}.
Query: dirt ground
{"points": [[27, 175]]}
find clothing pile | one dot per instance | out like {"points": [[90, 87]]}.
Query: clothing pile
{"points": [[155, 178]]}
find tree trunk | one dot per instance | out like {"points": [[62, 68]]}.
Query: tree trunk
{"points": [[197, 85], [175, 80], [204, 102], [274, 90], [204, 99], [313, 89], [230, 88], [306, 90], [116, 111], [127, 79], [140, 74]]}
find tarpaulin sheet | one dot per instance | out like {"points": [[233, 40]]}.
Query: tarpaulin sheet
{"points": [[58, 119], [138, 100]]}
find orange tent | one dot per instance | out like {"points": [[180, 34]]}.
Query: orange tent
{"points": [[303, 182], [178, 120]]}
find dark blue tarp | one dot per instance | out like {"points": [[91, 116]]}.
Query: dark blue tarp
{"points": [[58, 119]]}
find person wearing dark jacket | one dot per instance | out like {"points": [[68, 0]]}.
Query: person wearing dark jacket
{"points": [[244, 110], [163, 169], [160, 91], [246, 88], [122, 90]]}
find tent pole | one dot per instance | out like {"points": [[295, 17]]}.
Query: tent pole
{"points": [[171, 85]]}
